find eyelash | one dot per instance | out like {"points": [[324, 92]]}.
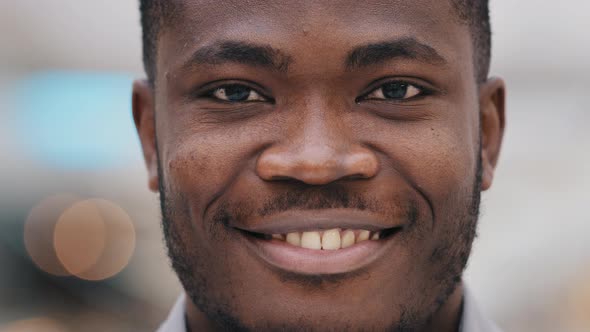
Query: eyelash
{"points": [[423, 92], [210, 93]]}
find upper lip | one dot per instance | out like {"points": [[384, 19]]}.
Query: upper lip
{"points": [[313, 220]]}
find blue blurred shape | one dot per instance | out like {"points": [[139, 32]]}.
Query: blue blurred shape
{"points": [[77, 120]]}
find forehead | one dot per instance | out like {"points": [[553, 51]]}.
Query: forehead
{"points": [[310, 27], [301, 13]]}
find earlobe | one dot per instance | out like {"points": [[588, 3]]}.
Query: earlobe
{"points": [[492, 107], [143, 115]]}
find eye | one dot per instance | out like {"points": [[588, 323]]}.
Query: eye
{"points": [[395, 91], [235, 93]]}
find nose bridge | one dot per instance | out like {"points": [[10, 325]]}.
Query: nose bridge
{"points": [[319, 134], [317, 148]]}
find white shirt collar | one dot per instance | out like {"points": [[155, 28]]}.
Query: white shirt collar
{"points": [[472, 319], [175, 321]]}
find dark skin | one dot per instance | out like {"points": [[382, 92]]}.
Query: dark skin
{"points": [[254, 101]]}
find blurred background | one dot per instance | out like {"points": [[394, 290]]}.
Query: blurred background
{"points": [[80, 241]]}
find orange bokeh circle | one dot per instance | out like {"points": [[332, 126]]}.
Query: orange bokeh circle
{"points": [[94, 239], [39, 228]]}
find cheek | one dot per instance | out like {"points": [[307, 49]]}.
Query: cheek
{"points": [[201, 164], [196, 166], [442, 157], [436, 158], [444, 163]]}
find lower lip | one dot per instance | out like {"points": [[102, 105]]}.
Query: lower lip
{"points": [[284, 256]]}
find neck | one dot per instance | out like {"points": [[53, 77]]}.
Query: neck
{"points": [[197, 321], [446, 319]]}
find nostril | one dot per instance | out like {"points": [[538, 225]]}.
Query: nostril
{"points": [[280, 178], [317, 164], [286, 180], [357, 176]]}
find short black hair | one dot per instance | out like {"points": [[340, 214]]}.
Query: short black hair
{"points": [[475, 13]]}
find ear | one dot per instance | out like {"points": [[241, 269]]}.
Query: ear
{"points": [[492, 95], [143, 115]]}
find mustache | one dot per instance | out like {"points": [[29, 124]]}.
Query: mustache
{"points": [[331, 196], [305, 197]]}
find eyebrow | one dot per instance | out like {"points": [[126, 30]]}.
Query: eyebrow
{"points": [[377, 53], [242, 53]]}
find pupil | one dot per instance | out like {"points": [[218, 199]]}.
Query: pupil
{"points": [[237, 92], [395, 90]]}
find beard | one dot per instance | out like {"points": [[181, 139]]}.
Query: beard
{"points": [[450, 256]]}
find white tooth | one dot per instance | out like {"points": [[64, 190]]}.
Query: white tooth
{"points": [[331, 239], [294, 239], [363, 236], [311, 240], [278, 237], [375, 236], [347, 238]]}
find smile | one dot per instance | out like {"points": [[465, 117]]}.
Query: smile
{"points": [[315, 245], [332, 239]]}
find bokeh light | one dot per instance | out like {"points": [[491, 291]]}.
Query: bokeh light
{"points": [[38, 232], [41, 324], [91, 239], [77, 120], [576, 311], [94, 239], [79, 237]]}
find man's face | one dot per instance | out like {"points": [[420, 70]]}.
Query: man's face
{"points": [[308, 116]]}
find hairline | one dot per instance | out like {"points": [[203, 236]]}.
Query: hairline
{"points": [[167, 10]]}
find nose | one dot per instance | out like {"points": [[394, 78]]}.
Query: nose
{"points": [[319, 154]]}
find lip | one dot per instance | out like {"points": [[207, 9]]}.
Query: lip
{"points": [[284, 256], [310, 220]]}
